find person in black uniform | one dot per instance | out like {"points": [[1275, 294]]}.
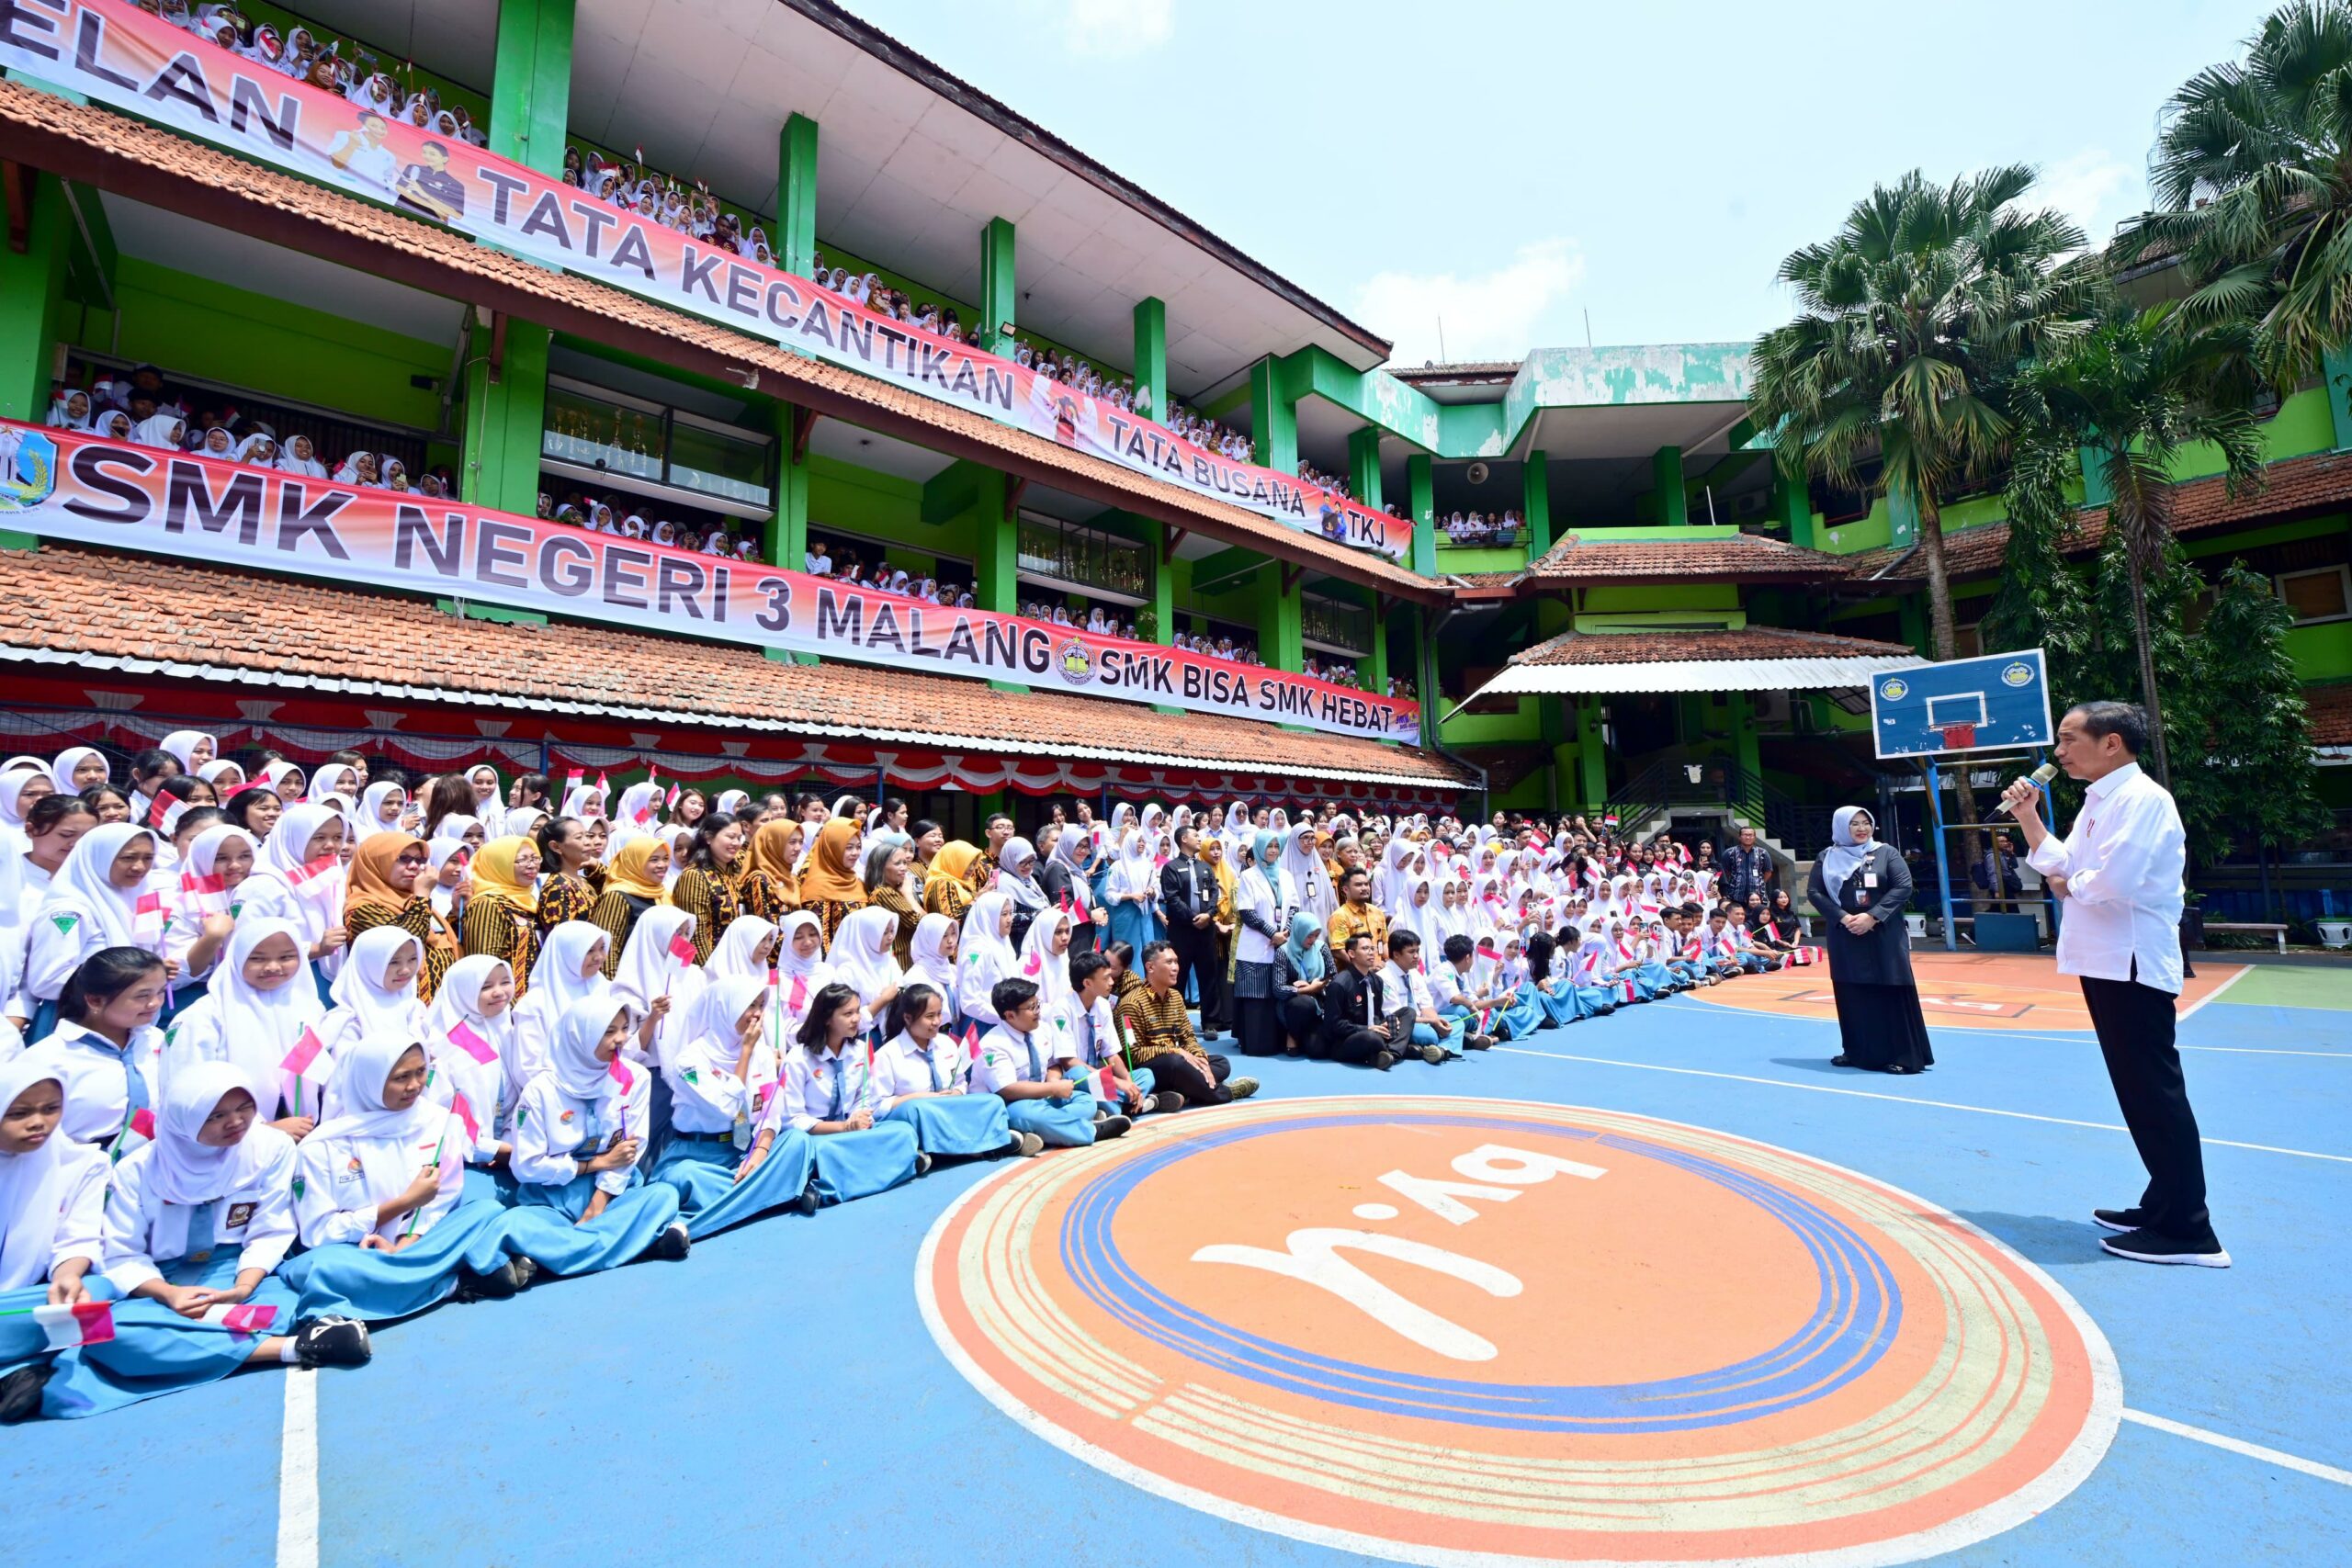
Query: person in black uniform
{"points": [[1355, 1011], [1188, 891], [1860, 886]]}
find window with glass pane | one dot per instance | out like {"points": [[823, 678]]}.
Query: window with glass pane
{"points": [[719, 464], [2316, 595], [599, 435], [1040, 547], [1337, 623]]}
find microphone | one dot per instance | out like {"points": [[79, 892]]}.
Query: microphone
{"points": [[2041, 775]]}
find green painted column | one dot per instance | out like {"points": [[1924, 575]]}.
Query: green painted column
{"points": [[1535, 503], [1911, 615], [1151, 356], [1792, 506], [795, 196], [2094, 491], [1592, 761], [1902, 519], [1363, 465], [1273, 419], [787, 534], [996, 554], [1666, 475], [505, 418], [32, 300], [1281, 620], [530, 95], [1421, 492], [998, 297]]}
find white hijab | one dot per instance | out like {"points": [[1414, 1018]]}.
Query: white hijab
{"points": [[861, 957], [81, 888], [456, 1069], [34, 1186], [390, 1147], [364, 1004], [251, 1030]]}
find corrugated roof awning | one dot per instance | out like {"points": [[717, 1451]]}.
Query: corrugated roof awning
{"points": [[1697, 675]]}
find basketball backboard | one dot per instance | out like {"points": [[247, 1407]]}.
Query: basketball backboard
{"points": [[1998, 702]]}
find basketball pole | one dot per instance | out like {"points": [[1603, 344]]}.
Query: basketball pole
{"points": [[1943, 849]]}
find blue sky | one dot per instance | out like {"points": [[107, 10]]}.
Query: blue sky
{"points": [[1511, 166]]}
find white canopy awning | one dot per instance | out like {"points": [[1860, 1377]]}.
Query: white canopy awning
{"points": [[1697, 675]]}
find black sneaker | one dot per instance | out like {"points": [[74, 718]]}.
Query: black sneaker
{"points": [[21, 1392], [332, 1342], [1242, 1088], [1166, 1101], [1478, 1042], [2147, 1246], [922, 1162], [805, 1204], [1111, 1127], [672, 1246], [1384, 1060], [2120, 1219], [494, 1286], [526, 1270], [1432, 1054]]}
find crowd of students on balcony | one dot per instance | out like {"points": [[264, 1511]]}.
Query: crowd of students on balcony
{"points": [[1474, 529]]}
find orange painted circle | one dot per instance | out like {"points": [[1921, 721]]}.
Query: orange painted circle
{"points": [[1454, 1331]]}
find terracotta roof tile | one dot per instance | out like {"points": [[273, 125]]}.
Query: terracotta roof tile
{"points": [[1730, 554], [2292, 490], [1684, 645], [72, 603], [151, 164]]}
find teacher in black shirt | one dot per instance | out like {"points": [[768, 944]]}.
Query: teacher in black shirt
{"points": [[1860, 887]]}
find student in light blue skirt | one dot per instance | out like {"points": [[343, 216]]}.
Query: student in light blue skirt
{"points": [[925, 1079], [725, 1157], [829, 1094], [379, 1197], [195, 1225], [52, 1197], [582, 1203]]}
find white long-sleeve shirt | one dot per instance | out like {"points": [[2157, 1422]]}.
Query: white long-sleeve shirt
{"points": [[144, 1233], [2123, 864]]}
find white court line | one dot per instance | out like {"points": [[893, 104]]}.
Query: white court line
{"points": [[1906, 1100], [2244, 970], [1939, 1026], [2239, 1446], [298, 1473]]}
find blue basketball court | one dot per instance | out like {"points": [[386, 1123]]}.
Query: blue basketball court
{"points": [[780, 1396]]}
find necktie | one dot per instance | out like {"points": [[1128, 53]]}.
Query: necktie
{"points": [[1036, 1069], [938, 1078], [841, 1082], [199, 1234]]}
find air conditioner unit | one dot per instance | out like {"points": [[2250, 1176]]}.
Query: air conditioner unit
{"points": [[1478, 473], [1772, 707]]}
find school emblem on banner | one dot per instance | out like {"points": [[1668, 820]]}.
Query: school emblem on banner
{"points": [[1489, 1332], [27, 469]]}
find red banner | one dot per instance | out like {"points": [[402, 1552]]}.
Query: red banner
{"points": [[118, 54], [69, 485]]}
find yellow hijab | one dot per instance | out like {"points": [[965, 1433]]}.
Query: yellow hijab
{"points": [[776, 849], [493, 871], [627, 873], [829, 879], [954, 862]]}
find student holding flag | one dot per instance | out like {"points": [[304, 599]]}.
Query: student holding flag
{"points": [[299, 877], [376, 994], [923, 1077], [380, 1198], [1454, 985], [579, 1127], [469, 1037], [728, 1162], [195, 1225], [830, 1094], [260, 1004], [99, 898], [1024, 1070], [1092, 1022], [107, 1049], [570, 968], [52, 1195]]}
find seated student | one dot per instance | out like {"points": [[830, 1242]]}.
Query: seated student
{"points": [[925, 1079], [1647, 947], [578, 1128], [986, 956], [801, 971], [52, 1196], [1357, 1018], [380, 1198], [109, 1049], [1408, 991], [1594, 973], [201, 895], [829, 1093], [1026, 1071], [1630, 984], [1531, 1002], [1716, 949], [1458, 989], [197, 1224], [1752, 955], [728, 1159], [1158, 1035], [376, 994], [1095, 1045], [253, 1016], [1302, 969], [468, 1038], [570, 968], [99, 898]]}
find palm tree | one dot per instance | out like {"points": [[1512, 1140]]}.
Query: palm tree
{"points": [[1912, 316], [2255, 167], [2121, 400]]}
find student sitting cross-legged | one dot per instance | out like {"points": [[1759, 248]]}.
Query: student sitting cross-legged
{"points": [[725, 1157], [829, 1094], [1024, 1069], [925, 1079]]}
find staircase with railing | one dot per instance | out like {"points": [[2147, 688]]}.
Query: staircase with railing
{"points": [[1644, 804]]}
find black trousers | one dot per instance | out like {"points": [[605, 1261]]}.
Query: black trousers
{"points": [[1300, 1018], [2135, 1033], [1353, 1045], [1173, 1069], [1258, 1025], [1196, 956]]}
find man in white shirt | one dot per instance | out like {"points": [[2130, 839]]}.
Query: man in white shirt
{"points": [[2119, 874]]}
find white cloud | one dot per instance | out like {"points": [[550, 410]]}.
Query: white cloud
{"points": [[1492, 315], [1107, 30], [2091, 187]]}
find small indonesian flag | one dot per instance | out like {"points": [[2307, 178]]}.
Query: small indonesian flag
{"points": [[1628, 986], [618, 1072], [464, 1111], [1806, 955], [1103, 1085], [84, 1322], [142, 1121], [972, 1041], [682, 946], [799, 1000], [245, 1317], [190, 883], [1036, 962], [644, 813], [164, 813], [1487, 950], [306, 1051], [148, 916], [676, 789], [310, 871], [464, 1038], [604, 783], [573, 779]]}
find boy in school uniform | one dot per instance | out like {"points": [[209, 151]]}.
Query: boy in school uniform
{"points": [[1028, 1072]]}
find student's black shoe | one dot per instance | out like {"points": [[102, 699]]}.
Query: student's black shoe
{"points": [[1241, 1089], [922, 1162], [526, 1270], [1479, 1042], [1548, 1022], [494, 1286], [1432, 1054], [2147, 1246], [1024, 1145], [1111, 1127], [2120, 1219], [1161, 1104], [672, 1246], [1898, 1069], [1841, 1060], [805, 1204], [21, 1392], [332, 1342], [1384, 1060]]}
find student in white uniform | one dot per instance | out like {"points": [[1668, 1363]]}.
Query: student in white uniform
{"points": [[1032, 1074], [569, 968], [99, 898], [253, 1016], [1095, 1045], [109, 1049], [52, 1195], [801, 971], [829, 1093], [376, 994], [468, 1039], [925, 1079], [197, 1224], [728, 1163], [985, 956]]}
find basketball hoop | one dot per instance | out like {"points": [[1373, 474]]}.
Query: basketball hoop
{"points": [[1959, 737]]}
